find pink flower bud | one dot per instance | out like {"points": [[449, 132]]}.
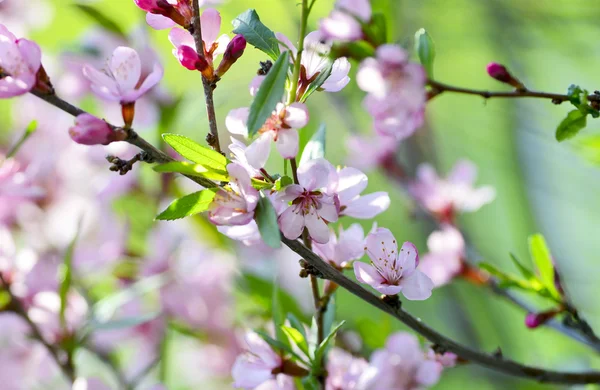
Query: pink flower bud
{"points": [[89, 130], [533, 320], [234, 50], [500, 73], [188, 57]]}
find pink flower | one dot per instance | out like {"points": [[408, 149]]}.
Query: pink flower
{"points": [[185, 46], [256, 366], [166, 13], [396, 91], [456, 193], [281, 127], [390, 271], [234, 205], [310, 206], [445, 258], [347, 186], [344, 22], [20, 60], [315, 60], [367, 153], [122, 81], [401, 365], [238, 152], [16, 187], [344, 370], [22, 16], [89, 130], [234, 51], [340, 252]]}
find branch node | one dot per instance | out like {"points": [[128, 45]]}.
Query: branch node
{"points": [[124, 166], [308, 269], [392, 300]]}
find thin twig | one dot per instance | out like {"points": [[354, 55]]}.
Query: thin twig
{"points": [[213, 137], [438, 88], [16, 307], [106, 359]]}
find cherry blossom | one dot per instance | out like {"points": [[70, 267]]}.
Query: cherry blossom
{"points": [[122, 81], [396, 91], [164, 14], [347, 186], [20, 61], [235, 204], [281, 127], [238, 152], [308, 205], [401, 365], [390, 271], [344, 22], [344, 371], [258, 367], [89, 130], [214, 45], [341, 252], [455, 193], [445, 257], [315, 60], [370, 152], [16, 186]]}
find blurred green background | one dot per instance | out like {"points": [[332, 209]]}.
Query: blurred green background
{"points": [[542, 186]]}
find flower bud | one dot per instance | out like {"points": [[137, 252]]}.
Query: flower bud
{"points": [[190, 59], [533, 320], [234, 50], [89, 130], [500, 73]]}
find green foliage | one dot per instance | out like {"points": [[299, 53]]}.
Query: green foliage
{"points": [[315, 148], [571, 125], [283, 182], [326, 344], [278, 345], [269, 94], [191, 204], [295, 338], [377, 29], [540, 254], [266, 219], [278, 314], [318, 82], [425, 49], [189, 169], [195, 152], [579, 98], [29, 130], [66, 277], [100, 18], [256, 33]]}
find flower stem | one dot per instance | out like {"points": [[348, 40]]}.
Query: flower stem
{"points": [[298, 62]]}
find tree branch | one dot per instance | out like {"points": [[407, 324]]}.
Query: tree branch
{"points": [[209, 85], [497, 363], [438, 88]]}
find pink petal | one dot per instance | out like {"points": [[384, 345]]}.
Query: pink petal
{"points": [[368, 206], [426, 174], [31, 54], [255, 84], [211, 26], [285, 44], [366, 273], [371, 79], [446, 241], [290, 193], [126, 68], [408, 258], [440, 268], [477, 198], [464, 172], [381, 245], [258, 151], [314, 174], [359, 8], [180, 37], [328, 209], [248, 373], [296, 115], [153, 78], [11, 87], [241, 180], [326, 251], [222, 43], [340, 26], [428, 373], [100, 79], [287, 142], [339, 76], [351, 182], [159, 22], [291, 222], [388, 289], [317, 228], [417, 286], [236, 121]]}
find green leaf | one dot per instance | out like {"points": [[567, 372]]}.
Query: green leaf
{"points": [[315, 148], [329, 316], [266, 219], [195, 152], [310, 383], [278, 314], [507, 280], [318, 82], [571, 125], [66, 277], [256, 33], [297, 324], [283, 182], [101, 18], [540, 254], [296, 338], [377, 29], [106, 308], [425, 49], [526, 272], [186, 168], [322, 349], [261, 184], [189, 205], [279, 345], [269, 94], [29, 130], [579, 98], [357, 50]]}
